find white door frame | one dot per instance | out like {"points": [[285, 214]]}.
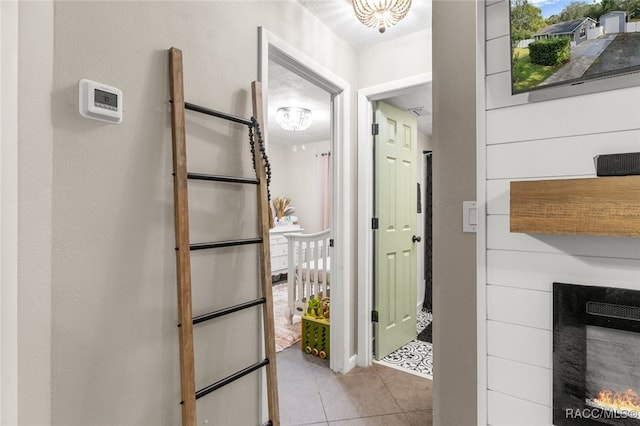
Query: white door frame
{"points": [[8, 213], [365, 204], [274, 48]]}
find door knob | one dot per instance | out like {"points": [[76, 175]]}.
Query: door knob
{"points": [[416, 239]]}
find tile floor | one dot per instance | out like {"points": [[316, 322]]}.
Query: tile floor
{"points": [[416, 355], [311, 394]]}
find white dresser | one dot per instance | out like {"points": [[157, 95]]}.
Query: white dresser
{"points": [[279, 245]]}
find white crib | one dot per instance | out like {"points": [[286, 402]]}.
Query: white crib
{"points": [[309, 270]]}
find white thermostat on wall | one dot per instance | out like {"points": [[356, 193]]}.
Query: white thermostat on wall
{"points": [[100, 102]]}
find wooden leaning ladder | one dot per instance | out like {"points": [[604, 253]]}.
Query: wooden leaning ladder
{"points": [[184, 247]]}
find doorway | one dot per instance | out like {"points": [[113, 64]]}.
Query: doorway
{"points": [[396, 239], [299, 129], [365, 205], [402, 335], [272, 48]]}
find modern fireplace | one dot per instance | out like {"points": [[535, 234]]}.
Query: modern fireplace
{"points": [[596, 355]]}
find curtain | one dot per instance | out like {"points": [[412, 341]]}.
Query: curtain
{"points": [[324, 190], [427, 304]]}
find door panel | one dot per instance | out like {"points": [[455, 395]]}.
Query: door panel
{"points": [[395, 207]]}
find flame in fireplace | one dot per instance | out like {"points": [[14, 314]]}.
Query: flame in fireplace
{"points": [[619, 401]]}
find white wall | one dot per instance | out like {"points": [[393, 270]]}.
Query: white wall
{"points": [[553, 139], [295, 175], [9, 212], [35, 172], [400, 58], [97, 304]]}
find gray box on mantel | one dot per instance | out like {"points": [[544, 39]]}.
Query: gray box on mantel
{"points": [[618, 164]]}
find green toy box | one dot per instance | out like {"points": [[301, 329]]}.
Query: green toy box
{"points": [[316, 336]]}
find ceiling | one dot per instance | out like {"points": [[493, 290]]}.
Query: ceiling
{"points": [[289, 89], [286, 88], [339, 16]]}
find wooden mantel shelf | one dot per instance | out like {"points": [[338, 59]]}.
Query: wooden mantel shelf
{"points": [[606, 206]]}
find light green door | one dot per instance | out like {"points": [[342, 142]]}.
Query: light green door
{"points": [[395, 250]]}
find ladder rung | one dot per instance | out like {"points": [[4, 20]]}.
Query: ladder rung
{"points": [[218, 114], [229, 310], [229, 243], [235, 376], [217, 178]]}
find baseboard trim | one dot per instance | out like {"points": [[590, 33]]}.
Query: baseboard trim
{"points": [[353, 361]]}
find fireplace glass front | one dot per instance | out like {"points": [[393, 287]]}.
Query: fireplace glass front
{"points": [[596, 356], [612, 376]]}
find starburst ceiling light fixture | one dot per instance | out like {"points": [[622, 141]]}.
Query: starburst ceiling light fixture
{"points": [[293, 118], [381, 14]]}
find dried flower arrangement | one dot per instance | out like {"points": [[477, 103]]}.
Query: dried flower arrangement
{"points": [[283, 207]]}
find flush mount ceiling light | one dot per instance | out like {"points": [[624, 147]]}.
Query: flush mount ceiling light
{"points": [[293, 118], [381, 14]]}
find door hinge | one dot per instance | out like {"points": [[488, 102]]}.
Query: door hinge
{"points": [[374, 316], [375, 129], [374, 223], [331, 242]]}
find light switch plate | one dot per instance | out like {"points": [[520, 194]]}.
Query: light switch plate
{"points": [[469, 216]]}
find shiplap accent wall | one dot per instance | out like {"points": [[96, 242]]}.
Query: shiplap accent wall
{"points": [[544, 140]]}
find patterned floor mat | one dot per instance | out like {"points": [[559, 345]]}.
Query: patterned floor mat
{"points": [[415, 357]]}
